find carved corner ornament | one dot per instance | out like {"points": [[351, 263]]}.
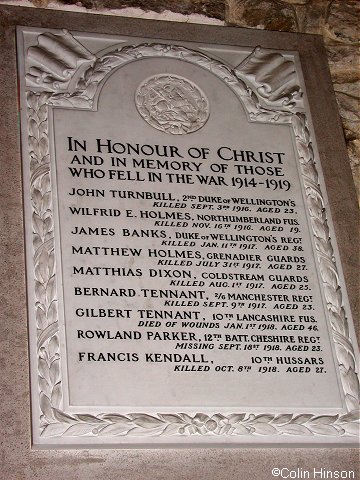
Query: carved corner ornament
{"points": [[273, 78], [55, 61], [61, 72]]}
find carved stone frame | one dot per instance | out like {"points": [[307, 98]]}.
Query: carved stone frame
{"points": [[276, 101]]}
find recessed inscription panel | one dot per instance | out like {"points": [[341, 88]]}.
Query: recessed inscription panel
{"points": [[194, 265], [187, 260]]}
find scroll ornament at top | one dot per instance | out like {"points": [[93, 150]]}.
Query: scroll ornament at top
{"points": [[58, 62], [273, 78], [54, 61]]}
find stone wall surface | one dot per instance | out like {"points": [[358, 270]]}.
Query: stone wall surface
{"points": [[336, 20]]}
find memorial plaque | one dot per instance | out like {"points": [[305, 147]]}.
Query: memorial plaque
{"points": [[184, 283]]}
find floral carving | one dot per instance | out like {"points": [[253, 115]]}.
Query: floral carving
{"points": [[200, 424], [57, 423]]}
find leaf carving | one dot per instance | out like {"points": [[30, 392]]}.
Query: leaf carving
{"points": [[54, 430], [79, 429], [262, 419], [324, 420], [114, 429], [299, 419], [54, 371], [352, 429], [44, 369], [115, 418], [295, 429], [171, 418], [56, 396], [45, 406], [88, 418], [53, 346], [263, 428], [51, 290], [146, 421], [172, 429], [63, 417], [353, 416], [41, 320], [38, 224], [326, 430], [241, 429], [282, 419]]}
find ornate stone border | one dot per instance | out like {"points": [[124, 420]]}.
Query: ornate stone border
{"points": [[72, 80]]}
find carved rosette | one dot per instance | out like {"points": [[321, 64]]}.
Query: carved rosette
{"points": [[274, 98], [172, 104]]}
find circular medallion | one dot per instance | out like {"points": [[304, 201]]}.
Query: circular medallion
{"points": [[172, 104]]}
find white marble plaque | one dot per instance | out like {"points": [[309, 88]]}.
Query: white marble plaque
{"points": [[183, 280]]}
